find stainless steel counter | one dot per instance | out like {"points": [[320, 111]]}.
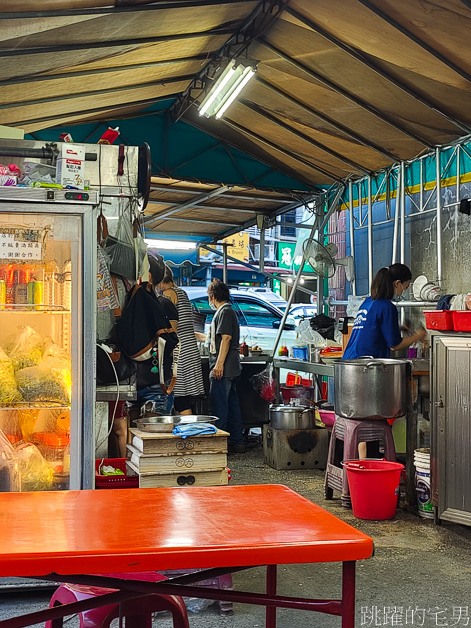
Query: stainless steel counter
{"points": [[263, 359], [127, 392], [315, 368]]}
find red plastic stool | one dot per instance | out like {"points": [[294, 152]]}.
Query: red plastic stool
{"points": [[345, 437], [219, 582], [138, 612]]}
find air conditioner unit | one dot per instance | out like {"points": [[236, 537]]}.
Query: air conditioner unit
{"points": [[269, 252]]}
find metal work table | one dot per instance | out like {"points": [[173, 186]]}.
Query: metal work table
{"points": [[419, 373], [127, 391], [315, 368]]}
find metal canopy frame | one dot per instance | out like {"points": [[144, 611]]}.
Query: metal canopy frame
{"points": [[91, 71], [111, 43], [191, 203], [269, 26], [219, 215], [336, 125], [157, 5], [263, 16], [369, 63], [98, 92], [283, 151], [148, 102], [345, 93], [255, 108], [267, 161], [420, 42], [430, 200]]}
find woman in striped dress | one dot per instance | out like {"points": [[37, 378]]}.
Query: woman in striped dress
{"points": [[189, 374]]}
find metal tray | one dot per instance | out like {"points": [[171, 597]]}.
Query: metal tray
{"points": [[167, 423]]}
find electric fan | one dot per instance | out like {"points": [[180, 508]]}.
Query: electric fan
{"points": [[322, 261]]}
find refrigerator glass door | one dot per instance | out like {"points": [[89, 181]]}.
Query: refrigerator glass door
{"points": [[41, 346]]}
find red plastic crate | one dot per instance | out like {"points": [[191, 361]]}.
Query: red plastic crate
{"points": [[114, 481], [462, 320], [441, 320]]}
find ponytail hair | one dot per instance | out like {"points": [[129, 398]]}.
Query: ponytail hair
{"points": [[382, 286]]}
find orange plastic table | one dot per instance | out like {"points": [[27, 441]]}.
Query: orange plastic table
{"points": [[65, 536]]}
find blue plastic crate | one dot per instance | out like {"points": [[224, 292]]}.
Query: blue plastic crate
{"points": [[300, 353]]}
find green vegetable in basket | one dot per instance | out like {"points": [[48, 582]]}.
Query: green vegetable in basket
{"points": [[108, 470]]}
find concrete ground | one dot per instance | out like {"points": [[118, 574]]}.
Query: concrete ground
{"points": [[419, 576]]}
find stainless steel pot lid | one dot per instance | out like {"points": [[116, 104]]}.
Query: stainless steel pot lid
{"points": [[291, 409], [373, 361]]}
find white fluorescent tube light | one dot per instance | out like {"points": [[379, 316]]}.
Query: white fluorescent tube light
{"points": [[227, 77], [247, 75], [226, 89], [170, 245]]}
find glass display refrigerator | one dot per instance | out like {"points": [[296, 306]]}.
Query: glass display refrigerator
{"points": [[47, 338]]}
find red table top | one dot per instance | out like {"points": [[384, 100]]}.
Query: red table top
{"points": [[75, 532]]}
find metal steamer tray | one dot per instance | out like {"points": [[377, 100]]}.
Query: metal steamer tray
{"points": [[167, 423]]}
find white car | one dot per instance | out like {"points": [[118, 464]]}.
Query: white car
{"points": [[300, 311], [269, 296], [259, 320]]}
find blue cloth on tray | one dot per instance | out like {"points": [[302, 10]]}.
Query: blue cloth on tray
{"points": [[194, 429]]}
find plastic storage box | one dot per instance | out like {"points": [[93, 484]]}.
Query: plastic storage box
{"points": [[114, 481], [461, 320], [300, 353], [441, 320]]}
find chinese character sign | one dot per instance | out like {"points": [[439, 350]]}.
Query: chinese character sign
{"points": [[238, 246], [22, 245], [287, 259]]}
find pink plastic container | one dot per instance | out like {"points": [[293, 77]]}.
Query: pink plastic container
{"points": [[327, 417]]}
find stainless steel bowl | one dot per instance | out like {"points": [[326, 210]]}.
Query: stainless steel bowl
{"points": [[167, 423]]}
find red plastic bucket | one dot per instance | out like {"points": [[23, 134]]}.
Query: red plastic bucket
{"points": [[374, 487]]}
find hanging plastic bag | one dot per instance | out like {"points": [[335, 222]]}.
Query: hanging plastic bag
{"points": [[306, 335], [107, 299], [264, 383], [324, 325], [119, 248], [140, 249]]}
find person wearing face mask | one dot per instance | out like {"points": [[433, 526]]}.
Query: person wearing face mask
{"points": [[376, 329], [224, 363]]}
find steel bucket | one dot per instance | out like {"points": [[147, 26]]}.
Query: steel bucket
{"points": [[291, 418], [370, 388]]}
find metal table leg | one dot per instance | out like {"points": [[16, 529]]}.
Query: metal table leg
{"points": [[348, 594], [271, 590]]}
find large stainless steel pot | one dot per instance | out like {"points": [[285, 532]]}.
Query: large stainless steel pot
{"points": [[371, 388], [291, 417]]}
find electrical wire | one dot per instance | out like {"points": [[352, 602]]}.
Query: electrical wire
{"points": [[97, 445]]}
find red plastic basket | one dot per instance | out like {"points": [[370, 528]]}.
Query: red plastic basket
{"points": [[439, 319], [462, 320], [114, 481]]}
